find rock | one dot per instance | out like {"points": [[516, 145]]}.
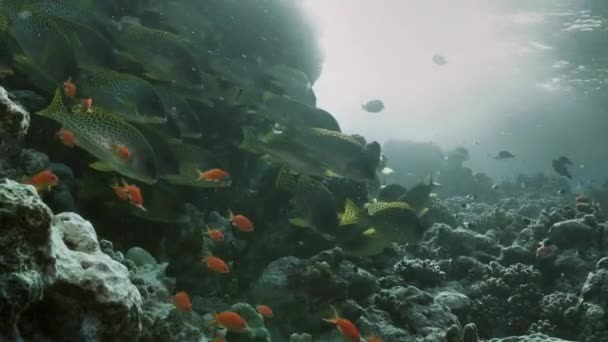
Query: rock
{"points": [[14, 120], [25, 228], [82, 270], [58, 284], [453, 300], [573, 234]]}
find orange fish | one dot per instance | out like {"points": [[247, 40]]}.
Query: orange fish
{"points": [[346, 327], [182, 302], [241, 222], [43, 180], [213, 175], [66, 137], [374, 339], [69, 88], [216, 264], [121, 151], [265, 311], [231, 321], [121, 190], [86, 105], [215, 234], [129, 192]]}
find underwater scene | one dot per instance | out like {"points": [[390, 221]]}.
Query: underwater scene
{"points": [[303, 170]]}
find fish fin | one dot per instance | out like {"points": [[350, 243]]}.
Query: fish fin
{"points": [[351, 215], [101, 166], [331, 174], [370, 232], [285, 180], [299, 222], [423, 212], [335, 315], [55, 106]]}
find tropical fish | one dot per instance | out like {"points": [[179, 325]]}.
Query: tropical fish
{"points": [[373, 106], [69, 88], [382, 225], [504, 155], [215, 234], [66, 137], [42, 39], [343, 154], [345, 327], [240, 222], [164, 55], [121, 151], [129, 192], [231, 321], [216, 264], [43, 181], [439, 59], [179, 111], [265, 310], [283, 150], [190, 160], [182, 302], [314, 206], [419, 196], [96, 131], [86, 104], [392, 193], [214, 175], [126, 95]]}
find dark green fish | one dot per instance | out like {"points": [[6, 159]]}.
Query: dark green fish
{"points": [[99, 133], [382, 225], [191, 160], [126, 95], [164, 55], [419, 196], [281, 149], [391, 193], [342, 153], [313, 204], [179, 111], [40, 38]]}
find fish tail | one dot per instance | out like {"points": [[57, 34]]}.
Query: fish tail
{"points": [[352, 214], [56, 105], [335, 315]]}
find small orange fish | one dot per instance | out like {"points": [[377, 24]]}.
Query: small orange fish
{"points": [[374, 339], [129, 192], [86, 105], [218, 176], [215, 234], [346, 327], [231, 321], [182, 302], [69, 88], [241, 222], [121, 190], [43, 180], [121, 151], [66, 137], [216, 264], [265, 311]]}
